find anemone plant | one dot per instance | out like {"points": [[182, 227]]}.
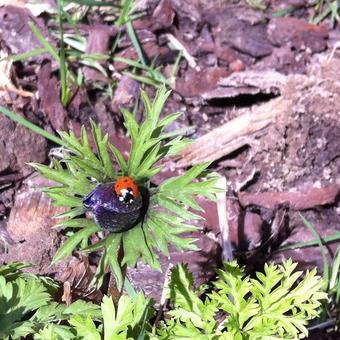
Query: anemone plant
{"points": [[172, 206]]}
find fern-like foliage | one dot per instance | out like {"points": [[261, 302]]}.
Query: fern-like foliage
{"points": [[128, 320], [275, 305], [191, 317], [27, 309], [285, 304], [167, 216], [20, 295]]}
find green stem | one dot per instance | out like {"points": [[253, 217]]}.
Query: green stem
{"points": [[63, 67]]}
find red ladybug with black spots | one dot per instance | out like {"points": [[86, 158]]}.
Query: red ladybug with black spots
{"points": [[126, 189], [115, 206]]}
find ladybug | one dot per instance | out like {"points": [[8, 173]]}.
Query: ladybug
{"points": [[116, 206], [126, 189]]}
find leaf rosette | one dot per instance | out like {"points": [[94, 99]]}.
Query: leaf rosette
{"points": [[172, 206]]}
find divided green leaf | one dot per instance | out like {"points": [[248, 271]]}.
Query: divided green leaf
{"points": [[276, 305]]}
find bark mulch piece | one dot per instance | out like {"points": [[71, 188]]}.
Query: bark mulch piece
{"points": [[16, 32], [19, 146], [298, 34], [30, 225], [49, 93], [296, 200], [98, 42]]}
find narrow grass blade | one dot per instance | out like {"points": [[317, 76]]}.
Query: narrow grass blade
{"points": [[124, 12], [65, 93], [283, 12], [17, 118], [142, 79], [321, 246], [53, 51], [26, 55], [335, 274], [325, 240], [132, 35], [92, 3]]}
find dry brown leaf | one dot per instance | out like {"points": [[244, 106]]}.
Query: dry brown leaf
{"points": [[67, 294]]}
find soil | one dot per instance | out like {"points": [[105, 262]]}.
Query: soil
{"points": [[279, 76]]}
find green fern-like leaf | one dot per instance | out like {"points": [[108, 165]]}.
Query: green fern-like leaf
{"points": [[26, 307], [280, 305], [85, 327], [129, 319], [233, 297], [283, 307], [191, 315], [18, 298], [273, 306]]}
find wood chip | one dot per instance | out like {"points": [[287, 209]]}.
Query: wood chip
{"points": [[232, 135], [300, 200], [248, 82]]}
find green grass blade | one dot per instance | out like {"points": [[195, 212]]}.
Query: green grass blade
{"points": [[131, 62], [23, 56], [325, 240], [124, 12], [283, 12], [335, 274], [133, 37], [44, 42], [65, 93], [92, 3], [95, 65], [316, 235], [142, 79], [17, 118], [154, 78]]}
